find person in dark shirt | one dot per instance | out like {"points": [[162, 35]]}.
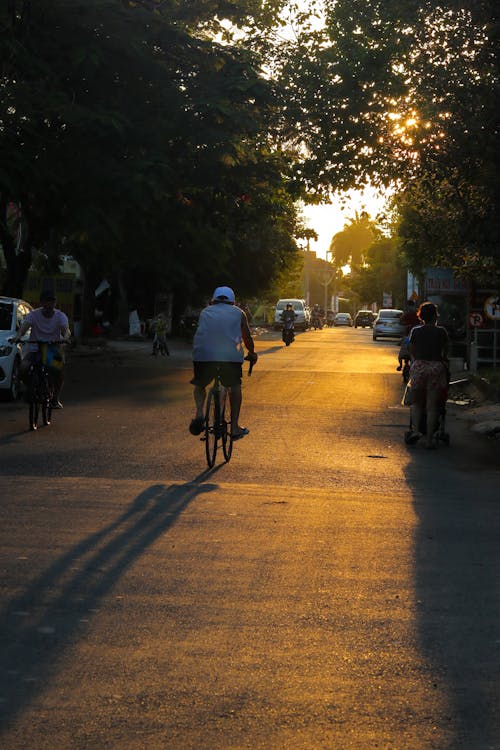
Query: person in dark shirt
{"points": [[428, 371], [288, 315]]}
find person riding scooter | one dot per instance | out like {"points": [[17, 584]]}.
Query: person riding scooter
{"points": [[288, 317], [317, 317]]}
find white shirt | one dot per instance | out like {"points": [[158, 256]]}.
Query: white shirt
{"points": [[218, 336], [55, 328]]}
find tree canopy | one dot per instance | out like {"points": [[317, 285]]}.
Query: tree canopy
{"points": [[137, 138], [405, 93], [351, 244], [170, 140], [382, 271]]}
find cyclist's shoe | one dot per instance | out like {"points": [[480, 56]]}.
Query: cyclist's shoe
{"points": [[413, 437], [55, 404], [240, 433], [196, 426]]}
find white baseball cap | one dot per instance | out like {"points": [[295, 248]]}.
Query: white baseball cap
{"points": [[224, 294]]}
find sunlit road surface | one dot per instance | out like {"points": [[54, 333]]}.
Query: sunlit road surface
{"points": [[328, 588]]}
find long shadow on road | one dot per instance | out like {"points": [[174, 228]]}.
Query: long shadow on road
{"points": [[40, 623], [457, 570]]}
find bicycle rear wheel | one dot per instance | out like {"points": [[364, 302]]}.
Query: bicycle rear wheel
{"points": [[227, 435], [212, 427], [46, 398], [34, 398], [46, 412]]}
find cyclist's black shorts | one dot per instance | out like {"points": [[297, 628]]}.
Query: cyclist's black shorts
{"points": [[205, 372]]}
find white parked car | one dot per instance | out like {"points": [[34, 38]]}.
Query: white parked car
{"points": [[12, 313]]}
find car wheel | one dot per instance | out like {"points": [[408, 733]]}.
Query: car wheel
{"points": [[14, 381]]}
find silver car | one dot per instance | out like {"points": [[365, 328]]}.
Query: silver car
{"points": [[388, 324], [12, 313], [342, 319]]}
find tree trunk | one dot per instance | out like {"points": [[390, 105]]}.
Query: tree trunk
{"points": [[18, 260]]}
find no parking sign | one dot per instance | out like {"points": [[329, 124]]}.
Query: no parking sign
{"points": [[492, 307], [476, 319]]}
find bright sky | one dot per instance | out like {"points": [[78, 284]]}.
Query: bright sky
{"points": [[328, 219]]}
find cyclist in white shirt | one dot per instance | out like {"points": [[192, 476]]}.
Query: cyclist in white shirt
{"points": [[46, 323], [218, 347]]}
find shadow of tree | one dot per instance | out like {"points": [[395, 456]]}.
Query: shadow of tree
{"points": [[457, 569]]}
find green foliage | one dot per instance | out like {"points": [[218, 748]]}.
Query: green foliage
{"points": [[289, 281], [448, 222], [405, 93], [350, 245], [170, 139], [382, 271], [140, 141]]}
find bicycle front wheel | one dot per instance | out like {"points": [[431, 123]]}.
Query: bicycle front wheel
{"points": [[212, 429], [33, 415], [227, 435], [48, 395]]}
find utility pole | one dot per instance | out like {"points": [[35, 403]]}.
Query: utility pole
{"points": [[307, 271], [335, 305], [328, 275]]}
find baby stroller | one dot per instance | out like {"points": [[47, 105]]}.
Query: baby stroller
{"points": [[404, 359], [412, 435]]}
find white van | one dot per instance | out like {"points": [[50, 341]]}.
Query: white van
{"points": [[302, 313]]}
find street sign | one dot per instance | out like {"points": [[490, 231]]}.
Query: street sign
{"points": [[476, 319], [492, 307]]}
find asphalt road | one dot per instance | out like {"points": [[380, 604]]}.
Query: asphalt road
{"points": [[330, 588]]}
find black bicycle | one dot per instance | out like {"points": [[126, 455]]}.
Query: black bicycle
{"points": [[217, 428], [40, 381], [160, 346]]}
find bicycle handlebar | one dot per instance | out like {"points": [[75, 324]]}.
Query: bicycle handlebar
{"points": [[12, 339]]}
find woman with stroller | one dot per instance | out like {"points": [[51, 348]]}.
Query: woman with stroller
{"points": [[428, 373]]}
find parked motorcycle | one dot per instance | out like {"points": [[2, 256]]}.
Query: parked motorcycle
{"points": [[160, 346]]}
